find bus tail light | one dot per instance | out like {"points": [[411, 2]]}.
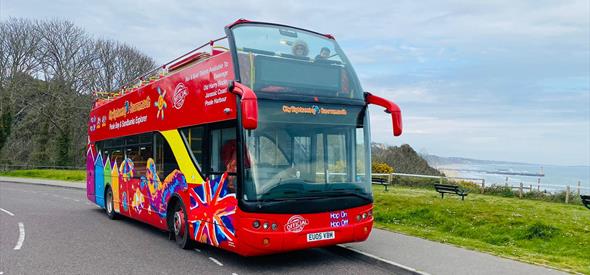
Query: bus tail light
{"points": [[248, 104], [391, 108]]}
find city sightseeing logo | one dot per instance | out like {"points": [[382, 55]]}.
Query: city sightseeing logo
{"points": [[296, 224], [180, 93], [316, 109]]}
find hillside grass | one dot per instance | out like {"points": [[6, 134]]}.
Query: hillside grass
{"points": [[66, 175], [546, 233]]}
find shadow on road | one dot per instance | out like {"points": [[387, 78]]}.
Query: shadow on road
{"points": [[326, 259]]}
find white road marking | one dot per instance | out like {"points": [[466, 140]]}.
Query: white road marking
{"points": [[215, 261], [76, 200], [412, 270], [7, 212], [21, 236], [198, 250], [234, 274]]}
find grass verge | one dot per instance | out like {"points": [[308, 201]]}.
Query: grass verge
{"points": [[539, 232], [67, 175]]}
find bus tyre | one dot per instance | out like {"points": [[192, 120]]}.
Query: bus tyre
{"points": [[109, 204], [180, 226]]}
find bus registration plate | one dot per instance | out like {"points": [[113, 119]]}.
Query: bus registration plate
{"points": [[312, 237]]}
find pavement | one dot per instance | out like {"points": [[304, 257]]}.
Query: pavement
{"points": [[65, 233]]}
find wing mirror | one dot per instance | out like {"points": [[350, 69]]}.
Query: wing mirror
{"points": [[390, 108], [248, 104]]}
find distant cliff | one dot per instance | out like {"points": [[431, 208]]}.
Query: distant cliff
{"points": [[403, 159]]}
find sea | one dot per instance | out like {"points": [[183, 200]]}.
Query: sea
{"points": [[550, 177]]}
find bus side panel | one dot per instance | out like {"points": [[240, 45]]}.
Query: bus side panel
{"points": [[90, 174], [106, 176], [99, 180], [116, 187], [212, 209]]}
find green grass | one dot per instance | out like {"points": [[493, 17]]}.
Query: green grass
{"points": [[67, 175], [546, 233]]}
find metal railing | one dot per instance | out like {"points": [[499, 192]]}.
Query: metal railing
{"points": [[521, 187]]}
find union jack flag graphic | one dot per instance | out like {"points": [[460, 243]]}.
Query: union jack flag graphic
{"points": [[212, 207]]}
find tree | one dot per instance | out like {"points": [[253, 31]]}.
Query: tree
{"points": [[48, 71]]}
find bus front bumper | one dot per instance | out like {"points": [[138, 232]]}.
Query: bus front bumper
{"points": [[254, 242]]}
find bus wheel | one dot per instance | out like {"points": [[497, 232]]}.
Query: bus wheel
{"points": [[180, 226], [110, 204]]}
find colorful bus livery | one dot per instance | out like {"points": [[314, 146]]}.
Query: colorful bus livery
{"points": [[258, 147]]}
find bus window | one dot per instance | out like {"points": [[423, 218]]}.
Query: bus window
{"points": [[223, 149], [270, 153], [193, 137], [139, 150], [336, 158], [115, 150], [165, 160]]}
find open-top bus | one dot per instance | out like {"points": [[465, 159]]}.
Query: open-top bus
{"points": [[259, 146]]}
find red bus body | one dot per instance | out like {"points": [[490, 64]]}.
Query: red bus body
{"points": [[196, 94]]}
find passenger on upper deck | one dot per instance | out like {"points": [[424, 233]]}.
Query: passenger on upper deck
{"points": [[324, 54], [300, 48]]}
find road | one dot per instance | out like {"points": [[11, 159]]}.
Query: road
{"points": [[45, 230]]}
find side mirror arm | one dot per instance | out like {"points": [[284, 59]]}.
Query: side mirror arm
{"points": [[390, 108], [249, 104]]}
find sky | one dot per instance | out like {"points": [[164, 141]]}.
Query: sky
{"points": [[501, 80]]}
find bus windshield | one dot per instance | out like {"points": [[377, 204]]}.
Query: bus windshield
{"points": [[305, 151], [278, 59]]}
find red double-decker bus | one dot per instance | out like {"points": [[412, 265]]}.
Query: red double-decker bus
{"points": [[257, 142]]}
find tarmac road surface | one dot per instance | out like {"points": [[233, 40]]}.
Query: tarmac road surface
{"points": [[54, 230]]}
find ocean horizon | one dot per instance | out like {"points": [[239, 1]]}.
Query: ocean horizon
{"points": [[556, 177]]}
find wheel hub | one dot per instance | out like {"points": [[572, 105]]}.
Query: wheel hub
{"points": [[178, 218], [109, 202]]}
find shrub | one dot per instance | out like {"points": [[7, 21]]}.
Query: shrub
{"points": [[539, 230], [499, 190], [381, 168]]}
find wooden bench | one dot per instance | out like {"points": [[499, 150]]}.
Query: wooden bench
{"points": [[586, 200], [450, 189], [380, 181]]}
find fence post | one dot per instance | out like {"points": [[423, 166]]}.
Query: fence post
{"points": [[506, 182], [440, 180], [539, 185], [520, 190], [567, 194], [483, 185], [578, 191], [531, 188], [390, 178]]}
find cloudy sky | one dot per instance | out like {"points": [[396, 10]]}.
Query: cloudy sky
{"points": [[504, 80]]}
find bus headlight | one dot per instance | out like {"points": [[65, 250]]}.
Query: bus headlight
{"points": [[256, 224], [265, 225], [274, 227]]}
